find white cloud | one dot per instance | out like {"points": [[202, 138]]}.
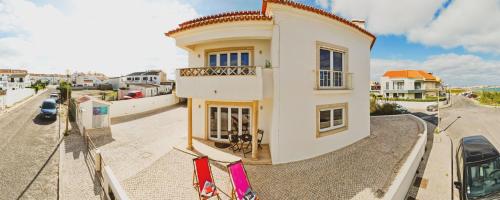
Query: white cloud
{"points": [[323, 3], [475, 25], [456, 70], [115, 37], [389, 16]]}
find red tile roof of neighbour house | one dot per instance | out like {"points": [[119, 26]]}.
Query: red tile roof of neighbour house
{"points": [[220, 18], [260, 15], [412, 74]]}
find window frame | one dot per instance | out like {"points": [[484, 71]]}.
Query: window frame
{"points": [[321, 132], [345, 65], [228, 51]]}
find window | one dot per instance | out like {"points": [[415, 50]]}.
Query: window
{"points": [[213, 60], [223, 59], [331, 119], [237, 56], [331, 67], [136, 78], [386, 85], [129, 79], [145, 78], [418, 85]]}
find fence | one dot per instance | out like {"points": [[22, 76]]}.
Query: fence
{"points": [[11, 97], [110, 185]]}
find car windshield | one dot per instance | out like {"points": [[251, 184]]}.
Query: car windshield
{"points": [[483, 179], [131, 94], [48, 105]]}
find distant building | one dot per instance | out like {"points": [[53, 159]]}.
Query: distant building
{"points": [[80, 79], [409, 84], [147, 77], [117, 82], [375, 87], [12, 79], [53, 79]]}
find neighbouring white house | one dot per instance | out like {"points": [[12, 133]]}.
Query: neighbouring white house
{"points": [[117, 82], [12, 79], [148, 90], [89, 79], [147, 77], [52, 79], [298, 73], [409, 84], [92, 113]]}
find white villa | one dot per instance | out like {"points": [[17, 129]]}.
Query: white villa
{"points": [[296, 72], [409, 84]]}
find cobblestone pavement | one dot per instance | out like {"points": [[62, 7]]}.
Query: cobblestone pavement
{"points": [[363, 170], [76, 174], [135, 145], [27, 142]]}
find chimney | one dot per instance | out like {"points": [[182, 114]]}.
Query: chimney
{"points": [[359, 23]]}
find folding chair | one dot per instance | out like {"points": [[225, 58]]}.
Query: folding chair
{"points": [[241, 188], [201, 174]]}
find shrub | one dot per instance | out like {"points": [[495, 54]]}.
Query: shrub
{"points": [[489, 98], [388, 109]]}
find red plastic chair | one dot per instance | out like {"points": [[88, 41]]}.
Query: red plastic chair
{"points": [[239, 180], [201, 174]]}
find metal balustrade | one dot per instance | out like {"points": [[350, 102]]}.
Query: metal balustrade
{"points": [[219, 71]]}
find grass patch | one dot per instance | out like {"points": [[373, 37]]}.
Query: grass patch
{"points": [[489, 98]]}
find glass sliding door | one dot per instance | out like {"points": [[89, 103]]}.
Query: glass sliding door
{"points": [[224, 119]]}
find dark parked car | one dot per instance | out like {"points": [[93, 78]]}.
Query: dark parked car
{"points": [[478, 169], [48, 109]]}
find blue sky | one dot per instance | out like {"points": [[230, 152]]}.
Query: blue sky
{"points": [[447, 37]]}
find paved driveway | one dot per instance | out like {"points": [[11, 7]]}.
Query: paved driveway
{"points": [[138, 143], [26, 143], [363, 170], [474, 120]]}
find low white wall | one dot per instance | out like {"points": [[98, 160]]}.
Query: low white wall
{"points": [[401, 184], [410, 104], [112, 185], [133, 106], [14, 96]]}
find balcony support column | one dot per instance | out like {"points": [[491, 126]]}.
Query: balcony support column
{"points": [[190, 124], [255, 125]]}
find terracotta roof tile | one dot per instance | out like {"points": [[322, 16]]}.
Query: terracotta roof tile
{"points": [[320, 12], [220, 18], [413, 74], [260, 15]]}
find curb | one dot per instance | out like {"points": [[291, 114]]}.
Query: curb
{"points": [[22, 102]]}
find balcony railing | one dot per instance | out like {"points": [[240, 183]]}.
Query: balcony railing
{"points": [[334, 80], [219, 71]]}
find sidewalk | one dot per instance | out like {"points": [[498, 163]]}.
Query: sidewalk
{"points": [[22, 102], [436, 181], [76, 178]]}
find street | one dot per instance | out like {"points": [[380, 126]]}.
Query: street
{"points": [[27, 143], [474, 120]]}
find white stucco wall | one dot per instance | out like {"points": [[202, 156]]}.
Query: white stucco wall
{"points": [[294, 56], [17, 95], [133, 106]]}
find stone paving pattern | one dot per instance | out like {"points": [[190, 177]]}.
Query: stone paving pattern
{"points": [[26, 143], [363, 170], [76, 173]]}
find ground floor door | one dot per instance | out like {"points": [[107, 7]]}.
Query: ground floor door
{"points": [[224, 119]]}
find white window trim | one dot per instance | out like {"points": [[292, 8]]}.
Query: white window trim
{"points": [[320, 132], [217, 58], [332, 120], [345, 65]]}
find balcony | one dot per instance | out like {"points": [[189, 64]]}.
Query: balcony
{"points": [[333, 82], [226, 83], [405, 91]]}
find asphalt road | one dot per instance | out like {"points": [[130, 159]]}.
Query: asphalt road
{"points": [[474, 120], [26, 143]]}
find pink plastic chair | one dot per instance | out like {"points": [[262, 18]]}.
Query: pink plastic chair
{"points": [[239, 180]]}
